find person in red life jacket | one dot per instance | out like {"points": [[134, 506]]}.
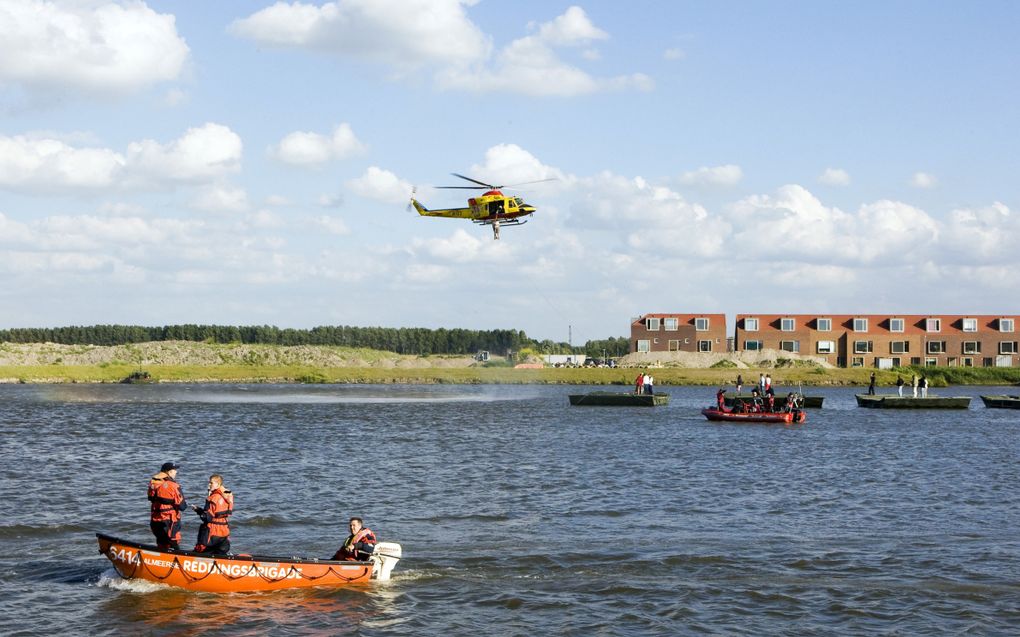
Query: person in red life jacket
{"points": [[720, 399], [359, 544], [167, 504], [214, 534]]}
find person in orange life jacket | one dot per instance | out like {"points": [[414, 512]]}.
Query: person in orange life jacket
{"points": [[359, 544], [167, 504], [720, 399], [214, 534]]}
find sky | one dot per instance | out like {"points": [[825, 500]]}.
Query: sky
{"points": [[242, 163]]}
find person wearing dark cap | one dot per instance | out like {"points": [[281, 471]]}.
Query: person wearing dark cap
{"points": [[167, 504]]}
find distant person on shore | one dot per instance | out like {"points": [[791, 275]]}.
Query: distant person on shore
{"points": [[923, 384], [359, 544], [899, 385], [761, 383], [913, 384], [649, 384], [639, 383], [871, 385], [768, 384], [740, 383], [167, 502], [214, 534]]}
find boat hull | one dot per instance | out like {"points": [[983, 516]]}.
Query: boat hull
{"points": [[778, 417], [1001, 402], [227, 574], [909, 402], [618, 399]]}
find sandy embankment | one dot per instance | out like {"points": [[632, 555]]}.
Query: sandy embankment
{"points": [[206, 355]]}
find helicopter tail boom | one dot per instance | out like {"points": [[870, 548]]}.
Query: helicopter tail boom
{"points": [[454, 213]]}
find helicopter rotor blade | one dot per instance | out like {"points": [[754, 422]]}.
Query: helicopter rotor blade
{"points": [[524, 183], [461, 187], [475, 181]]}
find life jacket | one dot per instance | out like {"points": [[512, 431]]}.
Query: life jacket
{"points": [[220, 505], [347, 551], [165, 496]]}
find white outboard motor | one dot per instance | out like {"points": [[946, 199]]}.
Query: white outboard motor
{"points": [[384, 558]]}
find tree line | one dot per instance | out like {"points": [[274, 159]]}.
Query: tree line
{"points": [[402, 340]]}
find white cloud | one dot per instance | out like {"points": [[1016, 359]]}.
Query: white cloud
{"points": [[40, 164], [309, 149], [381, 185], [200, 155], [511, 164], [222, 198], [923, 180], [403, 33], [834, 177], [673, 54], [332, 225], [530, 65], [46, 165], [794, 219], [984, 235], [716, 176], [122, 46]]}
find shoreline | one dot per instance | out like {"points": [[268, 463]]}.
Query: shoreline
{"points": [[359, 375]]}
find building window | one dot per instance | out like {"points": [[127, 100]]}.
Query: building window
{"points": [[1005, 325], [752, 346], [968, 361], [862, 347], [751, 325], [786, 324], [669, 324], [674, 346], [895, 362], [933, 325], [790, 346], [896, 325], [899, 347], [931, 362], [701, 324], [705, 346], [824, 324], [969, 325], [652, 324], [936, 347], [971, 347], [644, 345], [860, 325], [826, 347], [1007, 347], [857, 361]]}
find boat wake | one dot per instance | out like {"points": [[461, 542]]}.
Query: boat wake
{"points": [[110, 578]]}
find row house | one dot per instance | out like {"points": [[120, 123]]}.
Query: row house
{"points": [[885, 340], [678, 333]]}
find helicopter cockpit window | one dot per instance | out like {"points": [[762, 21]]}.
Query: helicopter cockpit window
{"points": [[518, 201]]}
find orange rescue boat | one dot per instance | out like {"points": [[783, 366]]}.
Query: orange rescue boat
{"points": [[241, 573]]}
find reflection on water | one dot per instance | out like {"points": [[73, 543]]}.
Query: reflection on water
{"points": [[273, 394], [518, 513]]}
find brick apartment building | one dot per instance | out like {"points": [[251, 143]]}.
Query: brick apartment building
{"points": [[678, 333], [884, 340]]}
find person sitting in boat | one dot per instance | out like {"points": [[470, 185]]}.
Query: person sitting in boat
{"points": [[720, 399], [214, 534], [359, 544], [167, 504], [756, 402], [770, 401]]}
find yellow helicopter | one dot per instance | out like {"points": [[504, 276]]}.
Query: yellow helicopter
{"points": [[490, 208]]}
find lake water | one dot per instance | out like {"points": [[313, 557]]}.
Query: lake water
{"points": [[518, 514]]}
